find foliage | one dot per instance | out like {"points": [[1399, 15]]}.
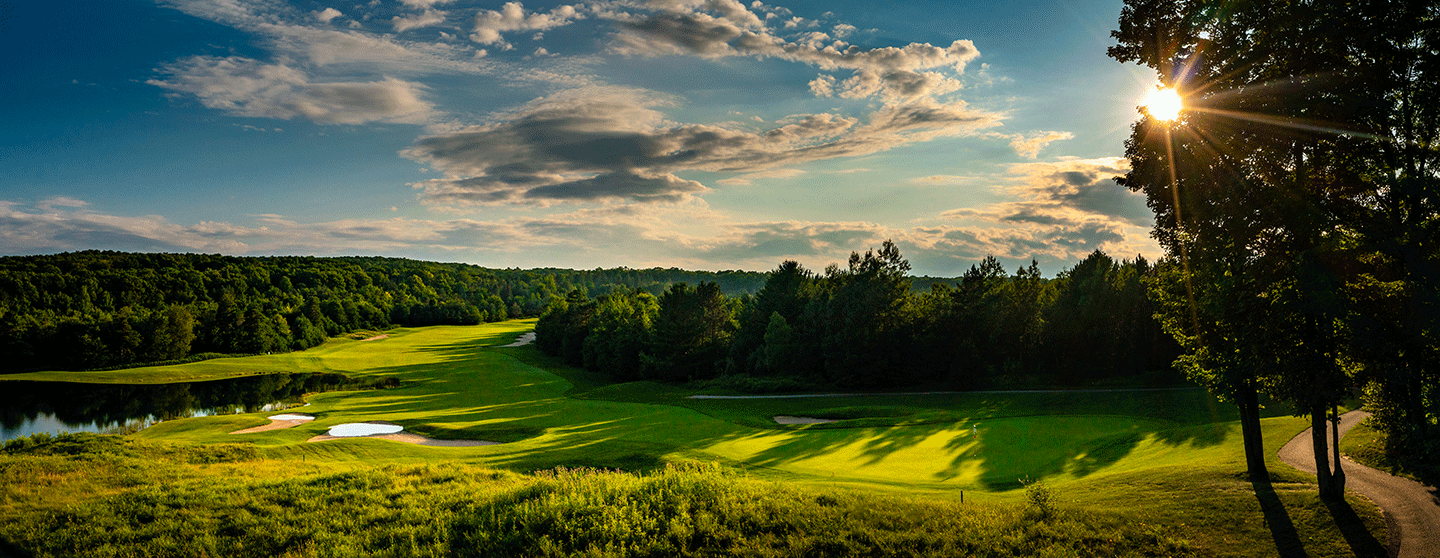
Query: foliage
{"points": [[864, 327], [1041, 499], [680, 510], [90, 310], [1128, 464], [1296, 199]]}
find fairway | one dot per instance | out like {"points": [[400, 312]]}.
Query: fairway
{"points": [[459, 383], [1125, 452]]}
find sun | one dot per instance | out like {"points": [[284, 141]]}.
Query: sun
{"points": [[1163, 104]]}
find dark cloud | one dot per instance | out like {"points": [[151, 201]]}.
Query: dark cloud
{"points": [[624, 185], [611, 143]]}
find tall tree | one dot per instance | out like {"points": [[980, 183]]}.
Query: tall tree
{"points": [[1235, 189], [867, 313], [693, 329], [788, 289], [1303, 178]]}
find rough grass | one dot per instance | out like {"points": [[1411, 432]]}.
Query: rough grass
{"points": [[1167, 460], [427, 510]]}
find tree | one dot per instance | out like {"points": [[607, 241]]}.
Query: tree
{"points": [[620, 331], [787, 291], [173, 332], [1304, 178], [1395, 290], [1241, 191], [866, 315], [692, 333]]}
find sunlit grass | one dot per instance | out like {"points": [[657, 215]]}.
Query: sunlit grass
{"points": [[1144, 456]]}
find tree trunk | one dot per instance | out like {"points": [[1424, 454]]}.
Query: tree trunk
{"points": [[1249, 403], [1337, 481], [1318, 417]]}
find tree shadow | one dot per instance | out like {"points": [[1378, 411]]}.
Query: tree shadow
{"points": [[459, 387], [1282, 529], [9, 550], [1361, 541]]}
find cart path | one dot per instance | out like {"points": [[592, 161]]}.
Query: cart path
{"points": [[1412, 510]]}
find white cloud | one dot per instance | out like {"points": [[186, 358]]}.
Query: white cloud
{"points": [[898, 73], [823, 86], [416, 21], [1029, 147], [749, 178], [324, 16], [491, 25], [246, 87]]}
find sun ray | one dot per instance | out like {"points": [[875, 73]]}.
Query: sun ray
{"points": [[1285, 122], [1164, 104]]}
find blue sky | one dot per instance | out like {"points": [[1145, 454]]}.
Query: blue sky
{"points": [[704, 134]]}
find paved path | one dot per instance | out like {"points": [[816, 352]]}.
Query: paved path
{"points": [[1412, 510], [809, 395]]}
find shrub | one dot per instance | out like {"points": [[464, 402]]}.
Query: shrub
{"points": [[1041, 498]]}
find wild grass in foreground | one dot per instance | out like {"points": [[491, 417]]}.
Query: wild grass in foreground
{"points": [[679, 510]]}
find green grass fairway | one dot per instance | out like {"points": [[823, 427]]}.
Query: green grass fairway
{"points": [[1172, 457]]}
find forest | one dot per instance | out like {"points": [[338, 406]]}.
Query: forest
{"points": [[98, 309], [863, 326]]}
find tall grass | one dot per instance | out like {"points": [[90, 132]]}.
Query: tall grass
{"points": [[678, 510]]}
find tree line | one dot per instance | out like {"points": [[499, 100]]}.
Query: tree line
{"points": [[94, 309], [1297, 197], [863, 326]]}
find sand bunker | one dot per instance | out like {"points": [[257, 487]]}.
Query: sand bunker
{"points": [[784, 419], [377, 337], [278, 422], [387, 431], [355, 429], [525, 339]]}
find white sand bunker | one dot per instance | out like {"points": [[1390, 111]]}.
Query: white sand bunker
{"points": [[390, 431], [785, 419], [525, 339], [354, 429], [377, 337], [278, 422]]}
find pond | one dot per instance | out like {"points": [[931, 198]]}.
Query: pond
{"points": [[28, 408]]}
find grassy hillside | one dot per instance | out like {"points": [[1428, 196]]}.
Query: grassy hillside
{"points": [[1163, 465]]}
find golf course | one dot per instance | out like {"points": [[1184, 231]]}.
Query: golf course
{"points": [[585, 466]]}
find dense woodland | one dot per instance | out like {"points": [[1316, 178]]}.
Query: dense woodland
{"points": [[864, 326], [87, 310]]}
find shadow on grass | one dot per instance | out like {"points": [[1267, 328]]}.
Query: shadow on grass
{"points": [[1282, 529], [605, 420], [465, 389], [1361, 541], [9, 550]]}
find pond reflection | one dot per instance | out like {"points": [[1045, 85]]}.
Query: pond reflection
{"points": [[58, 407]]}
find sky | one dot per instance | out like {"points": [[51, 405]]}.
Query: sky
{"points": [[700, 134]]}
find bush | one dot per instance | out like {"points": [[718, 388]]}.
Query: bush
{"points": [[1041, 498]]}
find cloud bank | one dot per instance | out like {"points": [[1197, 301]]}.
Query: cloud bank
{"points": [[613, 143]]}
